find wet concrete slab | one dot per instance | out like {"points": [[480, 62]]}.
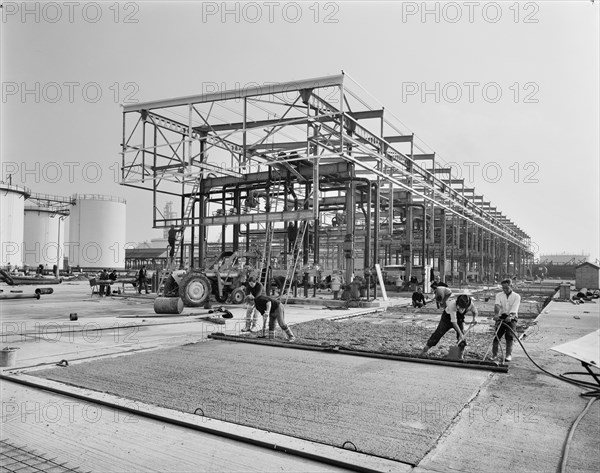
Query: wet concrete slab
{"points": [[380, 406]]}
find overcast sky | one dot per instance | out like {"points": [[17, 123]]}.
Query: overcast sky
{"points": [[507, 91]]}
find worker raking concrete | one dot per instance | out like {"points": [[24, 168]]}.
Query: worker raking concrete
{"points": [[453, 317], [271, 310]]}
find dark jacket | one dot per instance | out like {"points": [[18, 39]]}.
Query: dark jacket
{"points": [[260, 303]]}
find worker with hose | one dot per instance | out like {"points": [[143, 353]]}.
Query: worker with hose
{"points": [[453, 317], [506, 313]]}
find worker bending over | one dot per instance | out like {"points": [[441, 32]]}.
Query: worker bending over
{"points": [[271, 310], [253, 288], [453, 317]]}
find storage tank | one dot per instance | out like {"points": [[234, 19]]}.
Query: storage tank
{"points": [[43, 239], [97, 232], [12, 204]]}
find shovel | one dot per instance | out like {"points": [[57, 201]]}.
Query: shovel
{"points": [[455, 352]]}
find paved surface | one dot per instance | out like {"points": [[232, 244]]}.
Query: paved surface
{"points": [[516, 422], [521, 420]]}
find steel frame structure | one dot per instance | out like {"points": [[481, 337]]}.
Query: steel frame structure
{"points": [[312, 149]]}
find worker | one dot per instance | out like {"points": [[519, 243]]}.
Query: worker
{"points": [[506, 313], [253, 288], [437, 282], [104, 283], [143, 280], [271, 310], [173, 282], [413, 283], [113, 278], [442, 294], [292, 233], [453, 317], [418, 299], [172, 235]]}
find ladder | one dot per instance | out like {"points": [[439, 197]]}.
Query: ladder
{"points": [[297, 252], [268, 248], [186, 215], [171, 265], [264, 263]]}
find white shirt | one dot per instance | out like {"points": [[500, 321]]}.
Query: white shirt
{"points": [[441, 292], [508, 304], [451, 309]]}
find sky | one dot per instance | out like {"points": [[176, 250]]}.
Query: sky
{"points": [[505, 92]]}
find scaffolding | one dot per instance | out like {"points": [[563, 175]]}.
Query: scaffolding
{"points": [[322, 151]]}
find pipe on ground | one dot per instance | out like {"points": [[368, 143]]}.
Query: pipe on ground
{"points": [[19, 296]]}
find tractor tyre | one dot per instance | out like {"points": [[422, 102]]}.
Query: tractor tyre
{"points": [[238, 295], [194, 290]]}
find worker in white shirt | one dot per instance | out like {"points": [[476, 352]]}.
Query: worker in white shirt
{"points": [[506, 313], [442, 294]]}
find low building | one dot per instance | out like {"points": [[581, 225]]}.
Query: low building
{"points": [[587, 275], [152, 254]]}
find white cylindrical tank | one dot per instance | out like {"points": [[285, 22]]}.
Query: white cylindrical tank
{"points": [[43, 237], [97, 232], [12, 203]]}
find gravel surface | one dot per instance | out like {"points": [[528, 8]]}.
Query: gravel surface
{"points": [[397, 331]]}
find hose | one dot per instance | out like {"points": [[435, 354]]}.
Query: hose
{"points": [[595, 395], [568, 380], [567, 446]]}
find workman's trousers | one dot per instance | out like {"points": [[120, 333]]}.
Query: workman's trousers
{"points": [[251, 317], [278, 316], [502, 329], [143, 284], [443, 326], [172, 249]]}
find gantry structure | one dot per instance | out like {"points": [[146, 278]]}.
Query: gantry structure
{"points": [[313, 168], [53, 204]]}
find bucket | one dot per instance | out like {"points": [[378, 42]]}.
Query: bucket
{"points": [[8, 357]]}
